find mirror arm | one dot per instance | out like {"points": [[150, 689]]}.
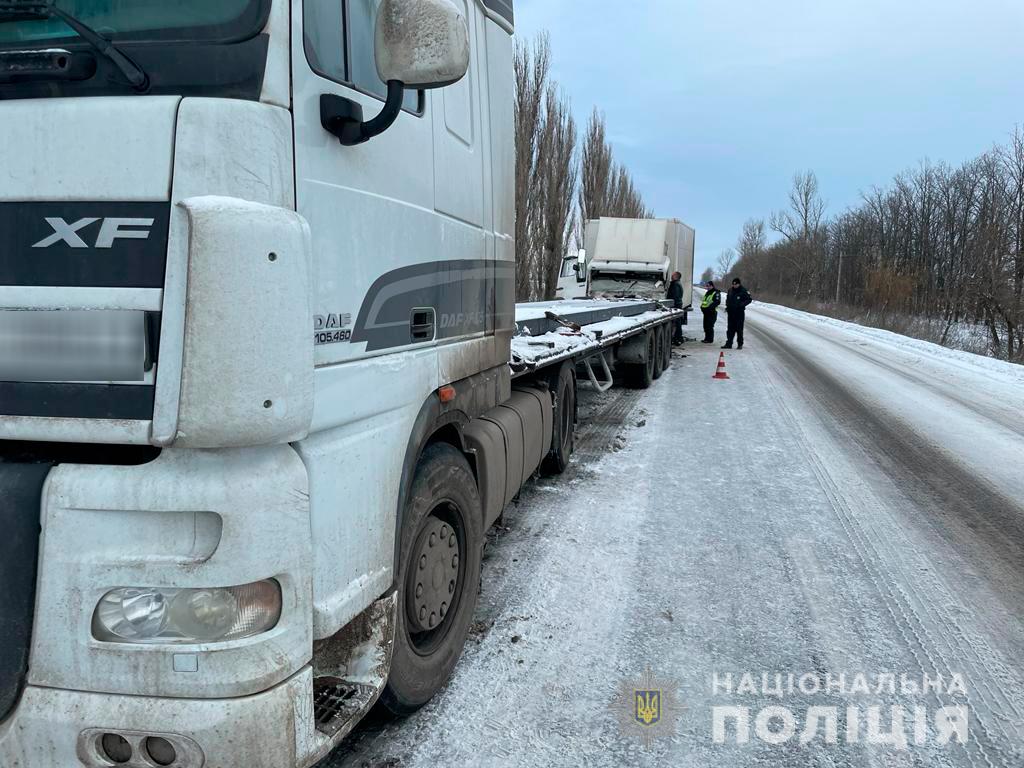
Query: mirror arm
{"points": [[388, 115], [344, 118]]}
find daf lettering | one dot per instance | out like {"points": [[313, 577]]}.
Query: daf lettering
{"points": [[111, 230]]}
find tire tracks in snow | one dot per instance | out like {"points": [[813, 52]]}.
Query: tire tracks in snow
{"points": [[923, 609]]}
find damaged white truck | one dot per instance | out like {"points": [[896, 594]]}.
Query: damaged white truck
{"points": [[262, 382]]}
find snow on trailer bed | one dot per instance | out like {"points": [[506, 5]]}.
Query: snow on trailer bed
{"points": [[541, 341]]}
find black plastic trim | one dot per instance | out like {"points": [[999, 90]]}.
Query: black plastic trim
{"points": [[77, 401], [128, 263], [247, 25], [21, 488], [216, 70]]}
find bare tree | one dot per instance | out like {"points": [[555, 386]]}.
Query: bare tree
{"points": [[801, 226], [606, 187], [707, 275], [939, 245], [558, 171], [595, 170], [531, 68], [806, 209], [752, 240], [559, 186], [725, 261]]}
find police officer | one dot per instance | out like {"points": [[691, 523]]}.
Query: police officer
{"points": [[675, 293], [736, 302], [709, 307]]}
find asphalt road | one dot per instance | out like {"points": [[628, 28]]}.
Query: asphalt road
{"points": [[845, 508]]}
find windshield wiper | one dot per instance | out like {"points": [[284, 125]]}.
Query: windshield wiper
{"points": [[20, 10]]}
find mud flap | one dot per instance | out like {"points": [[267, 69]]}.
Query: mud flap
{"points": [[21, 487]]}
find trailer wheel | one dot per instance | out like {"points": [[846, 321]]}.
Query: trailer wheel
{"points": [[438, 578], [659, 351], [641, 375], [563, 432]]}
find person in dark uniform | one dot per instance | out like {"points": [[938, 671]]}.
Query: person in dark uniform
{"points": [[709, 308], [736, 302], [675, 293]]}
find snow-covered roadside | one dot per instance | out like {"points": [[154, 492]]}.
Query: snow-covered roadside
{"points": [[906, 343]]}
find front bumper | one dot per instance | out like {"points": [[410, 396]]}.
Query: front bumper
{"points": [[274, 729]]}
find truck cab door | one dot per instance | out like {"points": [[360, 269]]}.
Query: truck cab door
{"points": [[401, 257], [370, 207]]}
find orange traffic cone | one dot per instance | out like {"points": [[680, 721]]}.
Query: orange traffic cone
{"points": [[720, 373]]}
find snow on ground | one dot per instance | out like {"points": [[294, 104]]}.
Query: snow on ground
{"points": [[847, 503], [890, 339]]}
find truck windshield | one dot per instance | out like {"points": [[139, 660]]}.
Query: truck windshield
{"points": [[192, 20]]}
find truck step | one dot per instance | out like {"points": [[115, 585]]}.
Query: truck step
{"points": [[336, 703]]}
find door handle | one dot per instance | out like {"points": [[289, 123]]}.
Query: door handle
{"points": [[423, 325]]}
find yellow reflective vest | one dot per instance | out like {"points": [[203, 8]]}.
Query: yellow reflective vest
{"points": [[709, 299]]}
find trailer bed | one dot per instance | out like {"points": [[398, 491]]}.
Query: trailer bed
{"points": [[541, 341]]}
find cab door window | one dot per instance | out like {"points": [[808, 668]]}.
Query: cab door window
{"points": [[339, 38]]}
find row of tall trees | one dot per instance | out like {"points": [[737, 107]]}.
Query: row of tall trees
{"points": [[562, 180], [941, 243]]}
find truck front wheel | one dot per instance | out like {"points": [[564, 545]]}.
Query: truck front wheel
{"points": [[438, 579]]}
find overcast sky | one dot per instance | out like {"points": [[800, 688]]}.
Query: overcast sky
{"points": [[714, 104]]}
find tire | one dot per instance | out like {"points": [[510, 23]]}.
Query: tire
{"points": [[563, 431], [443, 501], [641, 376], [667, 347], [659, 351]]}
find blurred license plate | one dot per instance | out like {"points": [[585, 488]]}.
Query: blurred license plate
{"points": [[72, 345]]}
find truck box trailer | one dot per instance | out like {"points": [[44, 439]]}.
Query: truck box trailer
{"points": [[263, 382], [636, 257]]}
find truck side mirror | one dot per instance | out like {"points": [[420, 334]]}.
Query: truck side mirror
{"points": [[581, 267], [419, 44]]}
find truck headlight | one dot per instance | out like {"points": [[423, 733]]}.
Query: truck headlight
{"points": [[157, 615]]}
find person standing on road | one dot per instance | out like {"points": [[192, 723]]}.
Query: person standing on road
{"points": [[709, 308], [675, 293], [736, 302]]}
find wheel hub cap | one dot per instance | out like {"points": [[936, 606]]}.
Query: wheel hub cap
{"points": [[433, 582]]}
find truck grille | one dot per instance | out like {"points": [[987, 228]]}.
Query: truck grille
{"points": [[21, 487]]}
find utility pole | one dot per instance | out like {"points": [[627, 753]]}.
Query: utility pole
{"points": [[839, 279]]}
